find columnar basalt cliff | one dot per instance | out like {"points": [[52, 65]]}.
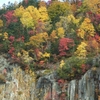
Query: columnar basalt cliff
{"points": [[16, 84]]}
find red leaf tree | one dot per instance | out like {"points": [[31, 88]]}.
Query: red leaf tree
{"points": [[64, 45]]}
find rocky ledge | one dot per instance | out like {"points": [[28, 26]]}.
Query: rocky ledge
{"points": [[16, 84]]}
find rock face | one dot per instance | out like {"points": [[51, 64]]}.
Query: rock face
{"points": [[16, 84], [87, 88]]}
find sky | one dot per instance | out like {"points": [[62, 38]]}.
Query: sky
{"points": [[12, 1], [6, 1]]}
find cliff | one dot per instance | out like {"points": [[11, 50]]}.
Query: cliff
{"points": [[16, 84]]}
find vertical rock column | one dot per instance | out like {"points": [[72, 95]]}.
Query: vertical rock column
{"points": [[88, 87], [15, 84]]}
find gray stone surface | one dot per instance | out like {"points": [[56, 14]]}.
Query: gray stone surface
{"points": [[15, 84]]}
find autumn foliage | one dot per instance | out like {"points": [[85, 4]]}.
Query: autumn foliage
{"points": [[50, 35]]}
